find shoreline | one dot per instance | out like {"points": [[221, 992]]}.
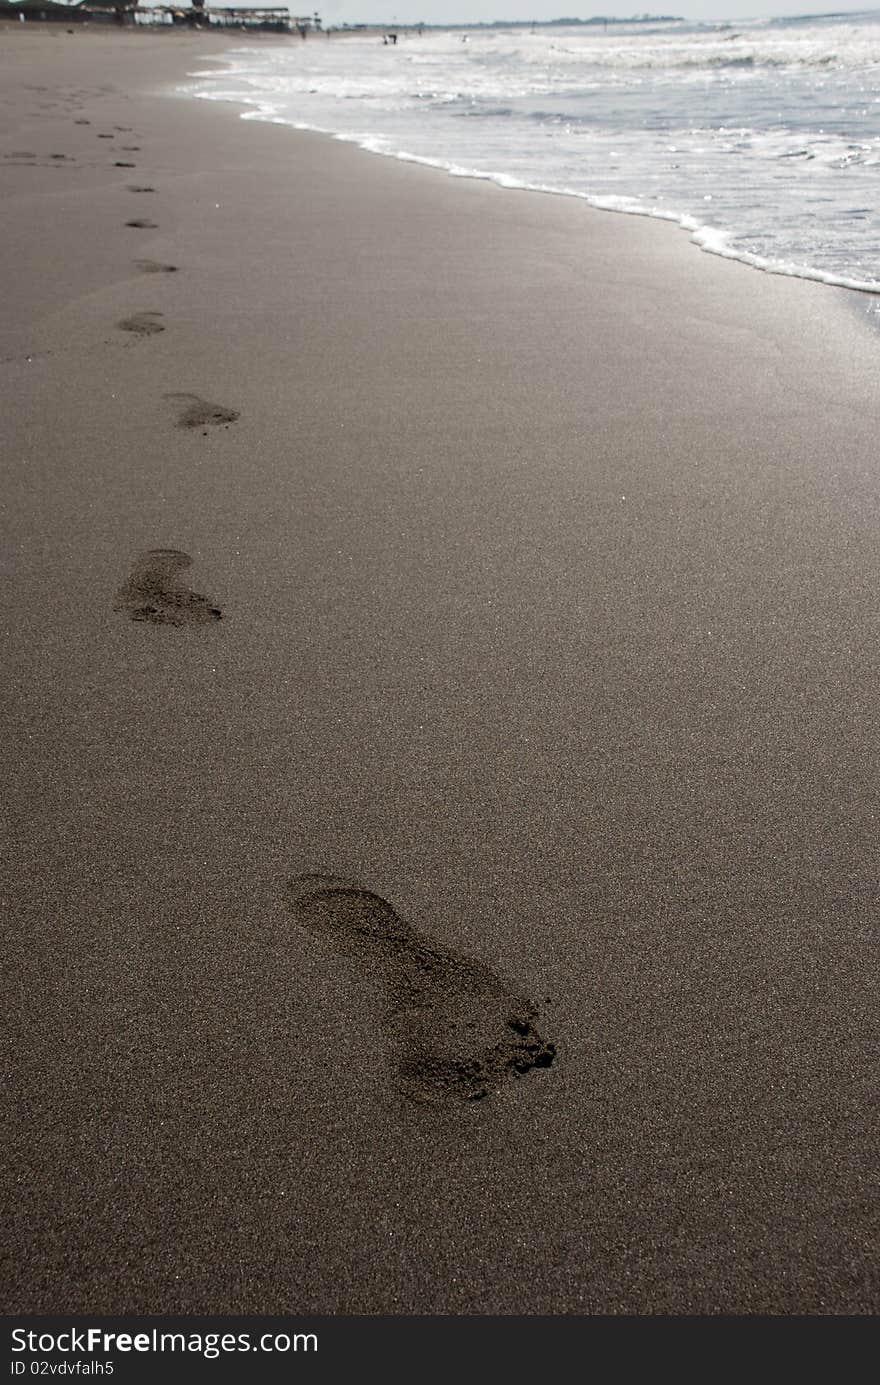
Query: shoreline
{"points": [[855, 298], [707, 238], [855, 295], [515, 564]]}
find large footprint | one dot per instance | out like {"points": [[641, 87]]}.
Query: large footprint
{"points": [[153, 593], [154, 267], [201, 412], [455, 1031], [142, 324]]}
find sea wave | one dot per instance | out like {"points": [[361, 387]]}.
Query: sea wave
{"points": [[763, 143], [713, 239]]}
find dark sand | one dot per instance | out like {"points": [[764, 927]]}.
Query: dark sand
{"points": [[527, 571]]}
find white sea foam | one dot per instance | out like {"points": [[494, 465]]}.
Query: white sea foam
{"points": [[763, 141]]}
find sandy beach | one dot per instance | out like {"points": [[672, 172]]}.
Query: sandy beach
{"points": [[442, 690]]}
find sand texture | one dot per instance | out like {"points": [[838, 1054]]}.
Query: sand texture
{"points": [[440, 732]]}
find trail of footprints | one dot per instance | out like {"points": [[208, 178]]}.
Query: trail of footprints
{"points": [[452, 1032], [197, 413]]}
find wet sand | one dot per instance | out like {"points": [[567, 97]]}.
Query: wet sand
{"points": [[440, 743]]}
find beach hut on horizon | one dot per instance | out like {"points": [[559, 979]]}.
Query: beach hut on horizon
{"points": [[83, 12], [274, 18]]}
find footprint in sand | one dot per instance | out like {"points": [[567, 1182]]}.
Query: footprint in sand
{"points": [[154, 267], [143, 223], [455, 1032], [153, 593], [143, 324], [201, 412]]}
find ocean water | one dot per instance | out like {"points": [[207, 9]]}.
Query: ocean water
{"points": [[762, 139]]}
